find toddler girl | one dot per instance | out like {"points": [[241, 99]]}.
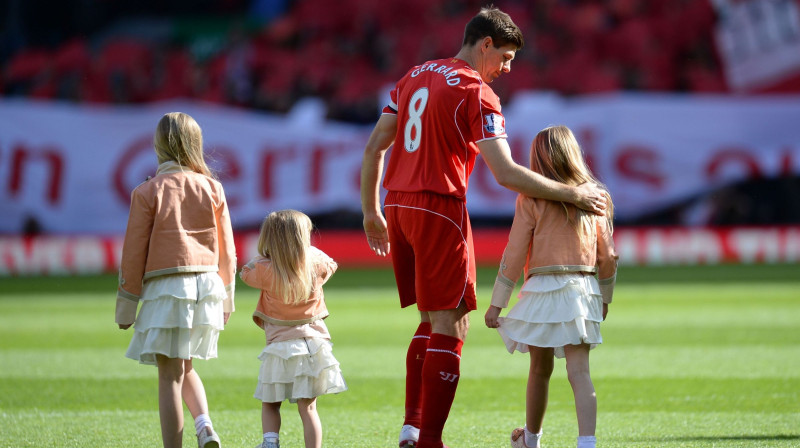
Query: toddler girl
{"points": [[297, 363]]}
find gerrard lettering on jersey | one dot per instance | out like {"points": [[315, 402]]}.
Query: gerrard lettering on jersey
{"points": [[448, 72]]}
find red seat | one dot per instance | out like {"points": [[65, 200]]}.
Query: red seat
{"points": [[176, 76], [27, 64], [125, 54], [599, 79], [72, 56], [704, 80]]}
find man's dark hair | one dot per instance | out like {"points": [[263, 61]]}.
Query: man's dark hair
{"points": [[496, 24]]}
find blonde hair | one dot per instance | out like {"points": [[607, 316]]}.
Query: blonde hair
{"points": [[179, 138], [285, 239], [555, 154]]}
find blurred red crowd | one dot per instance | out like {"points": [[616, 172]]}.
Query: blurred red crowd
{"points": [[346, 52]]}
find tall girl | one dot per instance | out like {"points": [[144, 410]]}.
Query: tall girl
{"points": [[179, 262], [297, 363], [560, 249]]}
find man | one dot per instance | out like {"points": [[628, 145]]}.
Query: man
{"points": [[442, 114]]}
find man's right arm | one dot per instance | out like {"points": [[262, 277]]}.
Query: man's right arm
{"points": [[379, 142], [511, 175]]}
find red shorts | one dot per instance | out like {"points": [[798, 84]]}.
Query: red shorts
{"points": [[432, 252]]}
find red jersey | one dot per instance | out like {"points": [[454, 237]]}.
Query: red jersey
{"points": [[443, 110]]}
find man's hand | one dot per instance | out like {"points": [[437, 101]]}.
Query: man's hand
{"points": [[377, 234], [591, 198], [491, 317]]}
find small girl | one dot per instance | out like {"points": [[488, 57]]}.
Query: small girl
{"points": [[560, 248], [179, 261], [297, 363]]}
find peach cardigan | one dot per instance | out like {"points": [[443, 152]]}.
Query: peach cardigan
{"points": [[272, 309], [541, 241], [178, 223]]}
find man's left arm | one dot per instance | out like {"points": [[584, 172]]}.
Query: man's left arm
{"points": [[513, 176]]}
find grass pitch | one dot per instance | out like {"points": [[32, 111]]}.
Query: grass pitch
{"points": [[693, 357]]}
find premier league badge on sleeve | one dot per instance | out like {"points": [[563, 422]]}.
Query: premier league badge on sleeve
{"points": [[495, 124]]}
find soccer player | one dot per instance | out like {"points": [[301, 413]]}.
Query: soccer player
{"points": [[442, 114]]}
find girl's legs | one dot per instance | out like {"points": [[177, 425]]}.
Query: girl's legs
{"points": [[270, 422], [538, 387], [312, 427], [170, 408], [271, 417], [582, 387], [194, 395]]}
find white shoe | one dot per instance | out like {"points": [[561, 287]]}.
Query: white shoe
{"points": [[518, 439], [409, 436], [270, 443], [208, 438]]}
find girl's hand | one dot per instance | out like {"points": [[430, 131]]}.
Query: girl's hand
{"points": [[225, 317], [491, 317], [124, 326], [605, 311]]}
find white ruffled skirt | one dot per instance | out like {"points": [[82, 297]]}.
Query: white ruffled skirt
{"points": [[180, 316], [554, 311], [298, 368]]}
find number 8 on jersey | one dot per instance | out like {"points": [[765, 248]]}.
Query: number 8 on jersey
{"points": [[413, 129]]}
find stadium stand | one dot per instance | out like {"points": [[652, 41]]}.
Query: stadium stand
{"points": [[270, 54], [344, 52]]}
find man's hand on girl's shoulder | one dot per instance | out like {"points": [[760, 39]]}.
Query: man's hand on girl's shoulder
{"points": [[591, 198]]}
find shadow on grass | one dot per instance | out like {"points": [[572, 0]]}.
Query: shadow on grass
{"points": [[753, 438]]}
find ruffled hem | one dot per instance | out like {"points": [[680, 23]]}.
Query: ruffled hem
{"points": [[180, 317], [184, 343], [299, 368], [554, 311], [518, 335], [559, 298]]}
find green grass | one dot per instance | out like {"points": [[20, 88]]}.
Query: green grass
{"points": [[704, 356]]}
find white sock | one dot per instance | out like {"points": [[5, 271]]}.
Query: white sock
{"points": [[587, 441], [201, 422], [271, 436], [531, 439]]}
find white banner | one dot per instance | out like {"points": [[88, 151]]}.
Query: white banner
{"points": [[71, 168], [758, 41]]}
